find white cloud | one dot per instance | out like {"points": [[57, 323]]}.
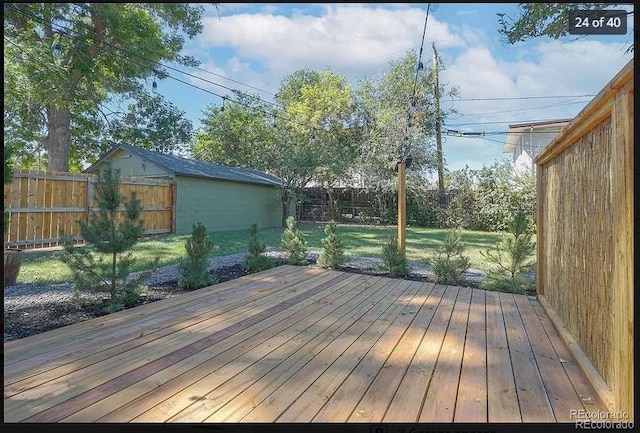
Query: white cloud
{"points": [[358, 40], [350, 38]]}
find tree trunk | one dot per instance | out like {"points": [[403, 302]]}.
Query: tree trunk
{"points": [[58, 141], [332, 208], [286, 204]]}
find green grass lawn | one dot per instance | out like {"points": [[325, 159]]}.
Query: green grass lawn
{"points": [[41, 267]]}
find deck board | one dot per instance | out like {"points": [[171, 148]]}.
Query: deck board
{"points": [[471, 404], [533, 400], [440, 400], [301, 344]]}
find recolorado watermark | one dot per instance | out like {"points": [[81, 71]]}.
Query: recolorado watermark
{"points": [[600, 419]]}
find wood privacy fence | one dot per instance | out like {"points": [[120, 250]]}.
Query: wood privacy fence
{"points": [[41, 204], [585, 232]]}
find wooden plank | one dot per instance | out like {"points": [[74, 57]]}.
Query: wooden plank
{"points": [[532, 396], [161, 358], [471, 404], [622, 198], [439, 403], [341, 404], [129, 336], [541, 229], [287, 394], [407, 402], [559, 390], [242, 404], [215, 390], [44, 347], [502, 400], [375, 402], [311, 399], [221, 357]]}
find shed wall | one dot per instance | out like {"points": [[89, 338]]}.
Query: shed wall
{"points": [[222, 205]]}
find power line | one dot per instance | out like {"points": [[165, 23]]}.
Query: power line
{"points": [[66, 31], [518, 97], [519, 109], [503, 122]]}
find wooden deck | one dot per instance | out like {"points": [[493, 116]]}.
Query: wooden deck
{"points": [[298, 344]]}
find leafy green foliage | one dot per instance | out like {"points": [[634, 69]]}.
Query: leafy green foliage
{"points": [[151, 122], [543, 19], [510, 258], [105, 265], [486, 199], [294, 244], [394, 259], [194, 269], [90, 52], [319, 143], [382, 108], [255, 261], [449, 264], [332, 253]]}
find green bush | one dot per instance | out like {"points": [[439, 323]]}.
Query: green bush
{"points": [[511, 257], [255, 261], [105, 264], [448, 264], [394, 259], [194, 269], [332, 254], [294, 244]]}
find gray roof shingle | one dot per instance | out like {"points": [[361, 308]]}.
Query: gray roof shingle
{"points": [[195, 168]]}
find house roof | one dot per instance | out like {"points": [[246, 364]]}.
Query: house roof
{"points": [[194, 168], [513, 135]]}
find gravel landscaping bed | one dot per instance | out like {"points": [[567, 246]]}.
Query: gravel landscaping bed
{"points": [[31, 309]]}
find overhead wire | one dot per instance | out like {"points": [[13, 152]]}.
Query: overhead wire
{"points": [[130, 55], [65, 30]]}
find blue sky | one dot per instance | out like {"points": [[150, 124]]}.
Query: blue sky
{"points": [[251, 46]]}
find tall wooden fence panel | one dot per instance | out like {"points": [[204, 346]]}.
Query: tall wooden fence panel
{"points": [[42, 205], [585, 231]]}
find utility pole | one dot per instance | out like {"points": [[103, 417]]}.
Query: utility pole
{"points": [[436, 92]]}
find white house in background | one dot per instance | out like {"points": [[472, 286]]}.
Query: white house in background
{"points": [[526, 140]]}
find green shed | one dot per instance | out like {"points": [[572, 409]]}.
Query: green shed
{"points": [[220, 197]]}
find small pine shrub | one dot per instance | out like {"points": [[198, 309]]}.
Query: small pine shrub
{"points": [[104, 265], [194, 269], [294, 244], [511, 257], [448, 264], [394, 259], [332, 254], [255, 261]]}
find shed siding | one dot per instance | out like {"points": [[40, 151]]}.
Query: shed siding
{"points": [[222, 205], [133, 165]]}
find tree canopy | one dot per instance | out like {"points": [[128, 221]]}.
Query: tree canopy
{"points": [[543, 19], [65, 62]]}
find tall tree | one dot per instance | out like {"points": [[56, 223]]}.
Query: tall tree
{"points": [[310, 135], [324, 130], [543, 19], [397, 125], [65, 59], [236, 133]]}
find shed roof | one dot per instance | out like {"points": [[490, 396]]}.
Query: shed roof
{"points": [[194, 168]]}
